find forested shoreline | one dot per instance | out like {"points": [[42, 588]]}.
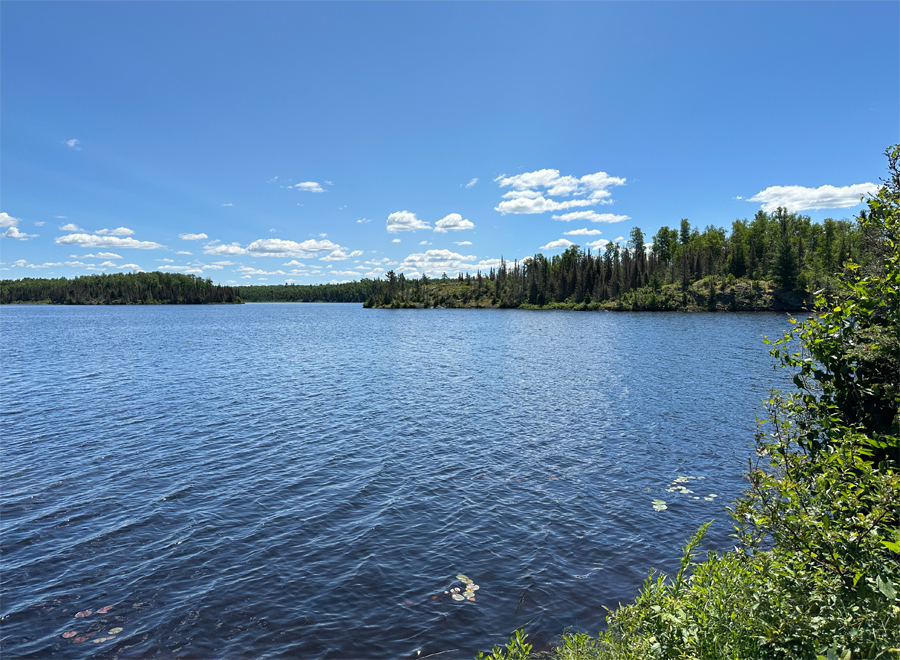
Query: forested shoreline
{"points": [[118, 289], [768, 263]]}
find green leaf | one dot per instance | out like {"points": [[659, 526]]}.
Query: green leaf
{"points": [[886, 588]]}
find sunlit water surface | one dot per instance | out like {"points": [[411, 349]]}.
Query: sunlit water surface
{"points": [[306, 481]]}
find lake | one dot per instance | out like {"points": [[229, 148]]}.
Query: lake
{"points": [[307, 480]]}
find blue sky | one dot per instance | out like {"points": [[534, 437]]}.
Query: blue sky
{"points": [[315, 142]]}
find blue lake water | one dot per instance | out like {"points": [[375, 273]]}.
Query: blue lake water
{"points": [[306, 481]]}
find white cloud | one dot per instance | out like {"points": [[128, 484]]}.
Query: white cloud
{"points": [[275, 247], [183, 269], [292, 262], [71, 227], [108, 264], [593, 216], [192, 237], [256, 271], [523, 205], [340, 255], [583, 232], [363, 221], [118, 231], [472, 182], [131, 267], [598, 244], [484, 264], [228, 204], [184, 252], [462, 242], [40, 224], [561, 243], [89, 241], [225, 263], [452, 222], [798, 198], [423, 242], [396, 240], [167, 260], [102, 255], [72, 144], [13, 232], [61, 217], [309, 186], [404, 221], [528, 190], [6, 220], [434, 261]]}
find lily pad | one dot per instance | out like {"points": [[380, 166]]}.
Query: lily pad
{"points": [[461, 577], [115, 631], [104, 610], [474, 587], [69, 634], [472, 598], [457, 597], [79, 639], [83, 614]]}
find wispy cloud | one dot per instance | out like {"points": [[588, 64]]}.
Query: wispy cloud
{"points": [[228, 204], [798, 198], [405, 221], [592, 216], [72, 144], [308, 186], [363, 221], [452, 222], [462, 242], [472, 182], [70, 227], [192, 237], [102, 255]]}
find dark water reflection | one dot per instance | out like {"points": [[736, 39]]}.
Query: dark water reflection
{"points": [[302, 480]]}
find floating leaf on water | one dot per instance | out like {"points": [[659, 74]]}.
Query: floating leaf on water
{"points": [[69, 634], [435, 597], [461, 577], [83, 614], [472, 598], [708, 499], [79, 639], [657, 501], [446, 592], [99, 639], [457, 597], [670, 490], [713, 495], [696, 498], [701, 477], [104, 610], [474, 587], [115, 631]]}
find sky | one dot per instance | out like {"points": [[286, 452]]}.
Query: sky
{"points": [[264, 143]]}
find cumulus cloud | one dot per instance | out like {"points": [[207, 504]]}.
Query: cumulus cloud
{"points": [[558, 244], [340, 255], [598, 244], [396, 240], [102, 255], [72, 144], [404, 221], [70, 227], [184, 252], [592, 216], [583, 232], [472, 182], [484, 264], [183, 269], [308, 186], [13, 232], [434, 261], [6, 220], [256, 271], [94, 241], [118, 231], [277, 247], [528, 190], [798, 198], [192, 237], [462, 242], [452, 222], [527, 205]]}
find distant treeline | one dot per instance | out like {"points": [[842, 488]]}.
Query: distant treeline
{"points": [[358, 291], [786, 249], [118, 289]]}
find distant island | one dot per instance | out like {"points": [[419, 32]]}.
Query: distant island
{"points": [[771, 263]]}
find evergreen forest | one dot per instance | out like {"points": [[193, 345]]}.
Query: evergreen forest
{"points": [[770, 262], [118, 289]]}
